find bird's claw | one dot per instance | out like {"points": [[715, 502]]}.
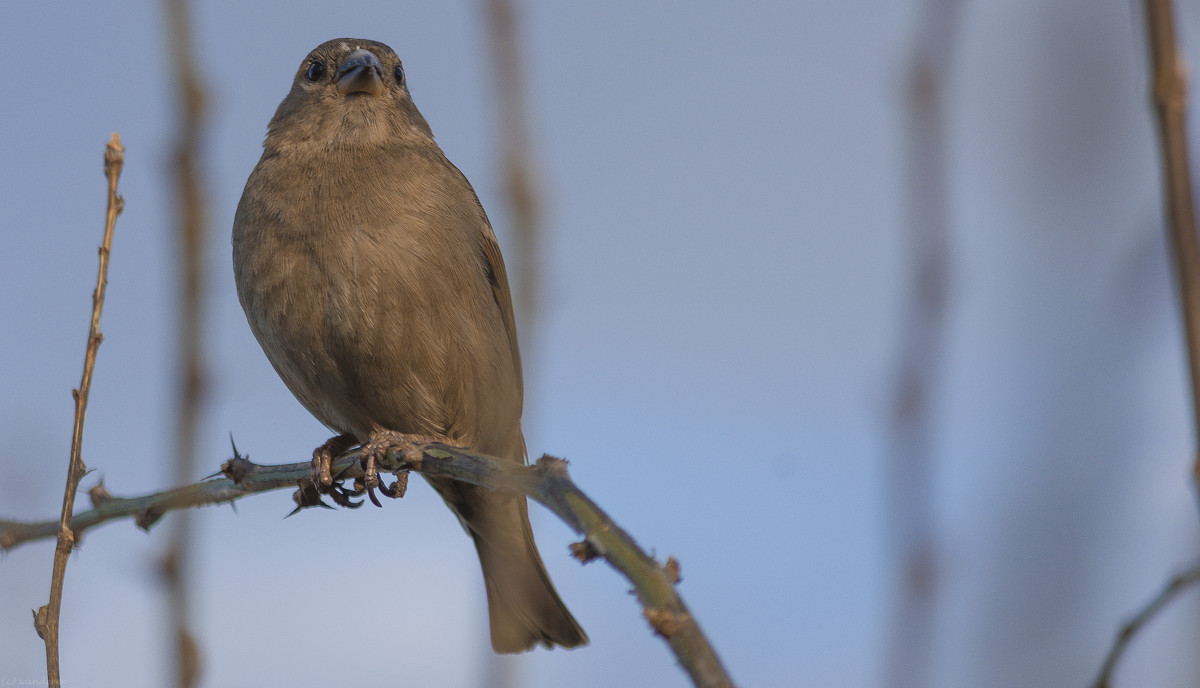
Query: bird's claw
{"points": [[373, 451], [370, 466], [324, 482], [323, 457], [342, 495], [397, 489]]}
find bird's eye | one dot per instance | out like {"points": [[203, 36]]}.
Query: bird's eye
{"points": [[315, 71], [399, 73]]}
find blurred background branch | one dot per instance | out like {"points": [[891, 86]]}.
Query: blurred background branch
{"points": [[522, 197], [909, 497], [1129, 629], [517, 165], [177, 565]]}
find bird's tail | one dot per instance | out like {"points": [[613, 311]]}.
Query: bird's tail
{"points": [[523, 607]]}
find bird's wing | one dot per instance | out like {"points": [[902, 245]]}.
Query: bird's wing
{"points": [[498, 278]]}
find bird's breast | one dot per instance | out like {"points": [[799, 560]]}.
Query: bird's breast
{"points": [[371, 303]]}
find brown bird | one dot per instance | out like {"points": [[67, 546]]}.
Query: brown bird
{"points": [[373, 281]]}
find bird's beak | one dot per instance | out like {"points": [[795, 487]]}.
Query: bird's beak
{"points": [[360, 73]]}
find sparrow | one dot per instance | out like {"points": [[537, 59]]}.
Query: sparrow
{"points": [[373, 281]]}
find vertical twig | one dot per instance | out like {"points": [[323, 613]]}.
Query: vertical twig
{"points": [[45, 619], [909, 511], [177, 563], [524, 211], [517, 163], [1168, 91]]}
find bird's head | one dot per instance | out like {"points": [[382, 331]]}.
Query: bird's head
{"points": [[348, 92]]}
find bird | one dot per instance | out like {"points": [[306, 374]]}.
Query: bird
{"points": [[373, 281]]}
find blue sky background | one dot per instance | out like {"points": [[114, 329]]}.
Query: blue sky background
{"points": [[724, 277]]}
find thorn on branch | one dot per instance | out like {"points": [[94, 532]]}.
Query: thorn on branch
{"points": [[671, 568], [306, 496], [664, 622], [585, 551], [99, 494], [233, 445], [148, 517], [40, 616], [237, 469], [552, 466]]}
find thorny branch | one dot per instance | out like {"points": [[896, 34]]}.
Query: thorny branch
{"points": [[45, 619], [546, 482]]}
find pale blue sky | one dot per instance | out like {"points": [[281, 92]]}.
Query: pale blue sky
{"points": [[724, 280]]}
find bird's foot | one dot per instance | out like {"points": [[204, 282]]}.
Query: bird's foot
{"points": [[381, 441], [373, 451], [323, 456], [322, 475]]}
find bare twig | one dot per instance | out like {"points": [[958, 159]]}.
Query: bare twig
{"points": [[546, 482], [909, 484], [177, 562], [1176, 585], [1169, 92], [45, 619], [1168, 78]]}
